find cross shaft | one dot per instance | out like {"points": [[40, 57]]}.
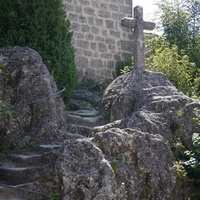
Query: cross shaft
{"points": [[139, 25]]}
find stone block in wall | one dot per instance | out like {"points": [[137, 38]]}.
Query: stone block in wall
{"points": [[94, 30], [78, 9], [79, 35], [88, 53], [96, 63], [79, 52], [90, 73], [104, 14], [83, 61], [89, 37], [117, 1], [99, 39], [76, 27], [104, 33], [99, 22], [89, 11], [128, 2], [104, 6], [93, 46], [85, 28], [113, 7], [96, 55], [83, 44], [118, 16], [110, 65], [126, 46], [95, 4], [110, 24], [82, 19], [106, 56], [73, 17], [102, 47], [85, 2], [110, 41], [90, 20], [69, 7], [106, 72], [125, 9], [115, 34]]}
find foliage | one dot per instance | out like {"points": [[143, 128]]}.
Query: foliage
{"points": [[54, 196], [124, 66], [163, 57], [166, 59], [181, 21], [188, 161], [41, 25], [192, 163]]}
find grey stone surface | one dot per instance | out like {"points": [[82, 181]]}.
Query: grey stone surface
{"points": [[149, 102], [25, 80], [117, 164]]}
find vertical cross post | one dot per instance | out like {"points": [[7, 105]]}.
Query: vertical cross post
{"points": [[139, 25]]}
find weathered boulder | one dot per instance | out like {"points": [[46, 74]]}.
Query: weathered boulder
{"points": [[148, 102], [31, 111], [117, 164]]}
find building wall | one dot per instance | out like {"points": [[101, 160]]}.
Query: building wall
{"points": [[99, 40]]}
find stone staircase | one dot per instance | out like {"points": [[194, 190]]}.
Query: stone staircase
{"points": [[28, 175], [84, 118]]}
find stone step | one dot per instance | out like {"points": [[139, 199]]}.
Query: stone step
{"points": [[86, 121], [24, 160], [19, 192], [21, 175], [49, 147], [84, 113]]}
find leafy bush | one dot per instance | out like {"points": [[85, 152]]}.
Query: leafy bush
{"points": [[166, 59], [41, 25]]}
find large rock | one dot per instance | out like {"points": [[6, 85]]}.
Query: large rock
{"points": [[24, 85], [133, 161], [148, 102], [118, 164]]}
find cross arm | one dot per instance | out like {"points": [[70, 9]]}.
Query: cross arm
{"points": [[131, 23]]}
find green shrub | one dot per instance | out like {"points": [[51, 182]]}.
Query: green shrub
{"points": [[41, 25], [165, 58]]}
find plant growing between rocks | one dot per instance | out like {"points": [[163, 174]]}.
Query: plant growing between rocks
{"points": [[188, 161]]}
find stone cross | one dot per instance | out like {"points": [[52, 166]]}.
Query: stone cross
{"points": [[139, 25]]}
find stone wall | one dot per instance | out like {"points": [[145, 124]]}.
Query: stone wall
{"points": [[99, 40]]}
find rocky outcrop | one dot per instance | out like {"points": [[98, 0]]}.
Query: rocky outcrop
{"points": [[148, 102], [118, 164], [32, 110], [87, 158]]}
